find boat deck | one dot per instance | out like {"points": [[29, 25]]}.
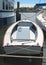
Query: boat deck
{"points": [[42, 19]]}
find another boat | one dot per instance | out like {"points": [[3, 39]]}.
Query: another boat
{"points": [[41, 19], [23, 38], [6, 12]]}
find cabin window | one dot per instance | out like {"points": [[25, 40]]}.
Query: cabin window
{"points": [[3, 5], [12, 7], [6, 6], [9, 6]]}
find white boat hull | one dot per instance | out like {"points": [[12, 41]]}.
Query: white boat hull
{"points": [[23, 43]]}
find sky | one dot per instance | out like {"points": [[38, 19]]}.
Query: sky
{"points": [[29, 3]]}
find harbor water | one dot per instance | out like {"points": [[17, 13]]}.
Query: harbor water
{"points": [[18, 61]]}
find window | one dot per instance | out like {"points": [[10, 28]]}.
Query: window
{"points": [[9, 6], [3, 5], [12, 7], [6, 6]]}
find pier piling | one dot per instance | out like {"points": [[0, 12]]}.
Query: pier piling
{"points": [[18, 15]]}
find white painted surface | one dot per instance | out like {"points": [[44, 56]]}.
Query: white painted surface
{"points": [[6, 14], [23, 33], [40, 17], [41, 20]]}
